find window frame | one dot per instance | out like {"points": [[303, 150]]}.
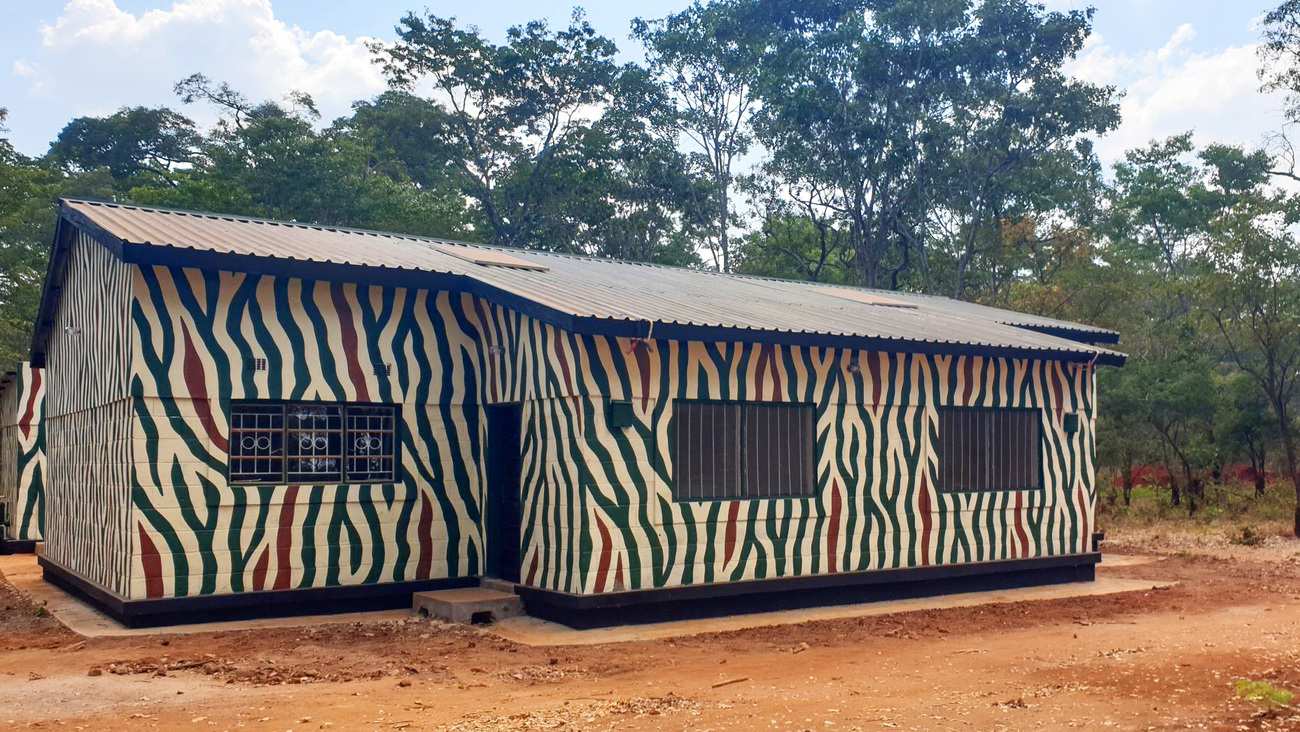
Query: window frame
{"points": [[743, 480], [343, 475], [1041, 434]]}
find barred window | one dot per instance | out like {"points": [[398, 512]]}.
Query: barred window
{"points": [[309, 442], [738, 450], [989, 449]]}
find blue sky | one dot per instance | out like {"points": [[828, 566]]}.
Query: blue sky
{"points": [[1184, 64]]}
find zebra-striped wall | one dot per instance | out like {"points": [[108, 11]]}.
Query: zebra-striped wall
{"points": [[22, 454], [600, 514], [87, 422], [194, 533], [598, 502]]}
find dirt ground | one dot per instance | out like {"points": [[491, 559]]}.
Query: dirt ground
{"points": [[1160, 659]]}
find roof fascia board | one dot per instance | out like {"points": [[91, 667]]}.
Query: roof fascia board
{"points": [[54, 274], [167, 256], [720, 334], [93, 230], [1079, 335]]}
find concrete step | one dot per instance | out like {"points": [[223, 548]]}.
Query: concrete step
{"points": [[499, 585], [469, 605]]}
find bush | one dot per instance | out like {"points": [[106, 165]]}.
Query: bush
{"points": [[1265, 694], [1247, 537]]}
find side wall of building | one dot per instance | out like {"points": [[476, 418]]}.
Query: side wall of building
{"points": [[22, 454], [877, 505], [88, 417]]}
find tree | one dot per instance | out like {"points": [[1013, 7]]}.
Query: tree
{"points": [[515, 112], [1280, 54], [1252, 297], [913, 121], [1176, 393], [1245, 424], [137, 145], [703, 58], [268, 159]]}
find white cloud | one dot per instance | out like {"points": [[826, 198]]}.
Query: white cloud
{"points": [[1172, 89], [104, 57]]}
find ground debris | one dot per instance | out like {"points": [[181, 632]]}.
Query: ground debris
{"points": [[578, 716]]}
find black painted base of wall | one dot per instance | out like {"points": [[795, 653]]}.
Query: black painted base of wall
{"points": [[17, 546], [734, 598], [596, 611], [244, 605]]}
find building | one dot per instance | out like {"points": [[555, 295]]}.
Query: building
{"points": [[258, 416], [22, 459]]}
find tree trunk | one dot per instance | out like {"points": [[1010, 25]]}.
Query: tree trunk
{"points": [[1288, 442], [1128, 478], [1260, 466]]}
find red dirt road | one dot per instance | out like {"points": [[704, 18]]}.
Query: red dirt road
{"points": [[1162, 659]]}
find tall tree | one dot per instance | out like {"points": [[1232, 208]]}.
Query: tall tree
{"points": [[1252, 296], [703, 58], [516, 112], [898, 118]]}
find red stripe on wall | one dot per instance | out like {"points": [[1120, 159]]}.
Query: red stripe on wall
{"points": [[350, 341], [1020, 528], [833, 530], [923, 507], [153, 584], [1059, 391], [29, 413], [284, 539], [564, 369], [531, 579], [196, 381], [602, 568], [729, 536], [619, 583], [968, 374], [1083, 514], [767, 360], [425, 566]]}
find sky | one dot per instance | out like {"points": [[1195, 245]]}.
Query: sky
{"points": [[1182, 64]]}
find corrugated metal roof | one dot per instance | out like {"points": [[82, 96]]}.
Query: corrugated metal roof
{"points": [[609, 290]]}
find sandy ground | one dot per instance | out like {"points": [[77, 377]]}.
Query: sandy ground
{"points": [[1149, 659]]}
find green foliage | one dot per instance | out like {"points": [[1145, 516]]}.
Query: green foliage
{"points": [[136, 145], [1264, 694]]}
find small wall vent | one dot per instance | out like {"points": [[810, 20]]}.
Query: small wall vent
{"points": [[254, 364], [383, 369]]}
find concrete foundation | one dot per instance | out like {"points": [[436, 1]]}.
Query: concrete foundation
{"points": [[469, 605]]}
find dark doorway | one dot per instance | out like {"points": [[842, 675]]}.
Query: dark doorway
{"points": [[504, 515]]}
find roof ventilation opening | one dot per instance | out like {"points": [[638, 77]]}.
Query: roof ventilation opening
{"points": [[490, 258], [870, 298]]}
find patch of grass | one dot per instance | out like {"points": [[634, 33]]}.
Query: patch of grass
{"points": [[1264, 694]]}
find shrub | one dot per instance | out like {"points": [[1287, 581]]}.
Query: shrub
{"points": [[1263, 693]]}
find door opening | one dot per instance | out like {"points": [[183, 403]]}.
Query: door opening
{"points": [[504, 517]]}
